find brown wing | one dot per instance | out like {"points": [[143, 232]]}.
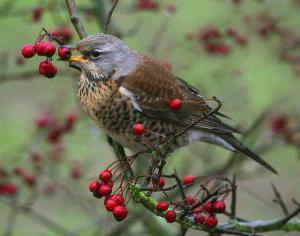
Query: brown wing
{"points": [[152, 87]]}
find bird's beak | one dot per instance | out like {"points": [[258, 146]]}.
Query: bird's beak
{"points": [[78, 58]]}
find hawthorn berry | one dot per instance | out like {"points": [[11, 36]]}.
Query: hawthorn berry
{"points": [[211, 221], [37, 13], [43, 121], [110, 204], [170, 216], [29, 179], [138, 129], [162, 206], [49, 49], [28, 50], [36, 157], [120, 213], [47, 69], [279, 125], [147, 5], [39, 47], [105, 190], [8, 189], [171, 9], [219, 206], [190, 200], [19, 171], [76, 172], [63, 33], [189, 179], [162, 182], [208, 207], [105, 175], [94, 186], [64, 53], [54, 135], [199, 217], [119, 199], [175, 104]]}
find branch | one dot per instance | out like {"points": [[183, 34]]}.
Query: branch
{"points": [[233, 227], [75, 19]]}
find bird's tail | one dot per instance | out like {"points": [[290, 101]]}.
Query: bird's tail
{"points": [[239, 147]]}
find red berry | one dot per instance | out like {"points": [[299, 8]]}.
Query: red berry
{"points": [[232, 32], [36, 157], [43, 121], [105, 175], [199, 217], [39, 47], [208, 207], [105, 190], [54, 135], [94, 186], [211, 221], [170, 216], [76, 172], [28, 50], [279, 124], [49, 49], [119, 199], [110, 204], [29, 179], [8, 189], [162, 182], [175, 104], [120, 213], [219, 206], [37, 13], [47, 69], [190, 200], [188, 179], [171, 8], [138, 129], [64, 53], [222, 48], [72, 117], [162, 206], [20, 171], [242, 40], [63, 33]]}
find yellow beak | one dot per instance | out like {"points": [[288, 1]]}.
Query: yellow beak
{"points": [[78, 58]]}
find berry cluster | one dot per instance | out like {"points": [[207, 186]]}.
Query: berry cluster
{"points": [[54, 130], [114, 203], [47, 49], [204, 214], [216, 42]]}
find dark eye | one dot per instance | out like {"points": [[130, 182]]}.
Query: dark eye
{"points": [[95, 54]]}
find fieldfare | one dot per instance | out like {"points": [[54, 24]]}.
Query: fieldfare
{"points": [[119, 87]]}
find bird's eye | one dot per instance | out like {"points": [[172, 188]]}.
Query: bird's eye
{"points": [[95, 54]]}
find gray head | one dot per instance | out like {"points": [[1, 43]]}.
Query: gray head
{"points": [[101, 56]]}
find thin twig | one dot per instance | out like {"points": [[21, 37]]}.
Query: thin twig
{"points": [[233, 198], [279, 200], [107, 21], [75, 19]]}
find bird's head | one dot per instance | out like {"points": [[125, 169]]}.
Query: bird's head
{"points": [[100, 56]]}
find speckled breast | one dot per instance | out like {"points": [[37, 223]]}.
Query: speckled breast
{"points": [[115, 114]]}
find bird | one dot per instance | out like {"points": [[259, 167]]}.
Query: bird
{"points": [[119, 87]]}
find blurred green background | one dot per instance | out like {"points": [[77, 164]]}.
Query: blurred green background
{"points": [[248, 81]]}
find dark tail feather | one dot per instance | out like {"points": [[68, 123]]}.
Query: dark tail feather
{"points": [[230, 139]]}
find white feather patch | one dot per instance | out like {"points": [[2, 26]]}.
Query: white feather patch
{"points": [[127, 93]]}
